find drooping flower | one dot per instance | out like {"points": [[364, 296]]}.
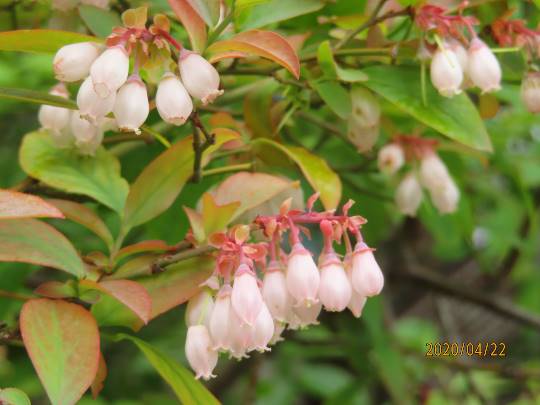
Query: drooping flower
{"points": [[91, 106], [446, 72], [363, 125], [173, 102], [220, 319], [88, 136], [131, 106], [110, 71], [530, 92], [246, 297], [199, 308], [201, 357], [72, 62], [302, 276], [391, 158], [446, 198], [55, 119], [303, 315], [335, 288], [200, 78], [433, 171], [483, 69], [263, 330], [366, 275], [409, 194], [275, 293]]}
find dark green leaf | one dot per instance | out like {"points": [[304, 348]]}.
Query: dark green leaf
{"points": [[99, 21]]}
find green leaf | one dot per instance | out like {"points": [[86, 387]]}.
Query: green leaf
{"points": [[161, 181], [13, 396], [335, 96], [33, 241], [20, 205], [188, 390], [192, 22], [316, 170], [62, 340], [40, 41], [331, 69], [257, 109], [254, 14], [455, 117], [97, 176], [36, 97], [99, 21], [208, 10]]}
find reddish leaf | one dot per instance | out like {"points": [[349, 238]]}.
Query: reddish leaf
{"points": [[33, 241], [130, 293], [101, 375], [56, 289], [62, 340], [266, 44], [196, 222], [216, 216], [19, 205], [192, 22], [144, 246], [140, 265]]}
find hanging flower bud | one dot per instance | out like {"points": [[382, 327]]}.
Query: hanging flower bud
{"points": [[53, 118], [199, 308], [363, 137], [484, 69], [263, 330], [110, 71], [279, 327], [335, 288], [131, 106], [275, 292], [391, 158], [363, 128], [88, 136], [446, 198], [530, 92], [366, 275], [356, 304], [306, 315], [220, 319], [302, 276], [409, 195], [200, 78], [201, 357], [446, 72], [91, 106], [433, 171], [173, 102], [240, 336], [246, 297], [72, 62]]}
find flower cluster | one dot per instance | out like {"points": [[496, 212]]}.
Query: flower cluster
{"points": [[108, 86], [364, 121], [427, 170], [258, 290]]}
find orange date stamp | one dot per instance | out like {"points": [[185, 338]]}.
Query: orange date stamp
{"points": [[468, 349]]}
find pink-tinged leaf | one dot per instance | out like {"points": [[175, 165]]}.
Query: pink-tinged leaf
{"points": [[227, 55], [192, 22], [40, 41], [56, 289], [84, 216], [265, 44], [140, 265], [208, 10], [130, 293], [156, 188], [99, 380], [62, 340], [196, 222], [321, 177], [216, 216], [19, 205], [33, 241], [142, 247]]}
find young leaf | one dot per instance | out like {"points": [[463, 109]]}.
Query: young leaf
{"points": [[142, 247], [161, 181], [335, 96], [19, 205], [316, 170], [101, 375], [188, 390], [13, 396], [62, 340], [456, 117], [40, 41], [208, 10], [192, 22], [216, 216], [33, 241], [257, 13], [265, 44], [331, 69], [196, 222], [97, 176], [84, 216], [99, 21]]}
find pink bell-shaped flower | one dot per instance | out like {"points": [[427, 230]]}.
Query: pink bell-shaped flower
{"points": [[391, 158], [173, 102], [55, 119], [91, 106], [110, 71], [240, 336], [275, 293], [446, 72], [366, 277], [199, 308], [88, 136], [335, 288], [220, 319], [246, 297], [263, 330], [131, 106], [72, 62], [199, 353], [409, 194], [483, 69], [356, 304], [302, 277], [305, 316], [200, 78]]}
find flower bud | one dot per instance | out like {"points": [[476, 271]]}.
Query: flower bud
{"points": [[433, 171], [530, 92], [335, 288], [199, 308], [88, 136], [446, 72], [306, 315], [356, 304], [110, 71], [220, 319], [53, 118], [200, 78], [246, 297], [263, 330], [483, 69], [91, 106], [201, 357], [365, 107], [240, 336], [446, 198], [409, 195], [173, 102], [72, 62], [275, 293], [391, 158], [361, 136], [131, 106], [302, 276], [366, 275]]}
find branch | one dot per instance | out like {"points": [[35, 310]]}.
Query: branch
{"points": [[198, 145], [227, 169], [159, 265]]}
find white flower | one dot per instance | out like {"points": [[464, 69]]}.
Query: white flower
{"points": [[365, 107], [110, 71], [173, 102], [391, 158], [246, 297], [201, 357], [433, 171], [304, 315], [199, 308], [88, 136], [446, 72], [131, 106], [263, 330], [220, 319], [335, 288], [275, 293], [53, 118], [366, 275], [409, 195], [362, 136], [446, 198], [483, 69], [302, 276], [72, 62], [530, 92], [200, 78], [91, 106]]}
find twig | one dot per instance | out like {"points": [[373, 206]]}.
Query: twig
{"points": [[227, 169], [198, 145], [127, 138], [15, 296], [159, 265]]}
